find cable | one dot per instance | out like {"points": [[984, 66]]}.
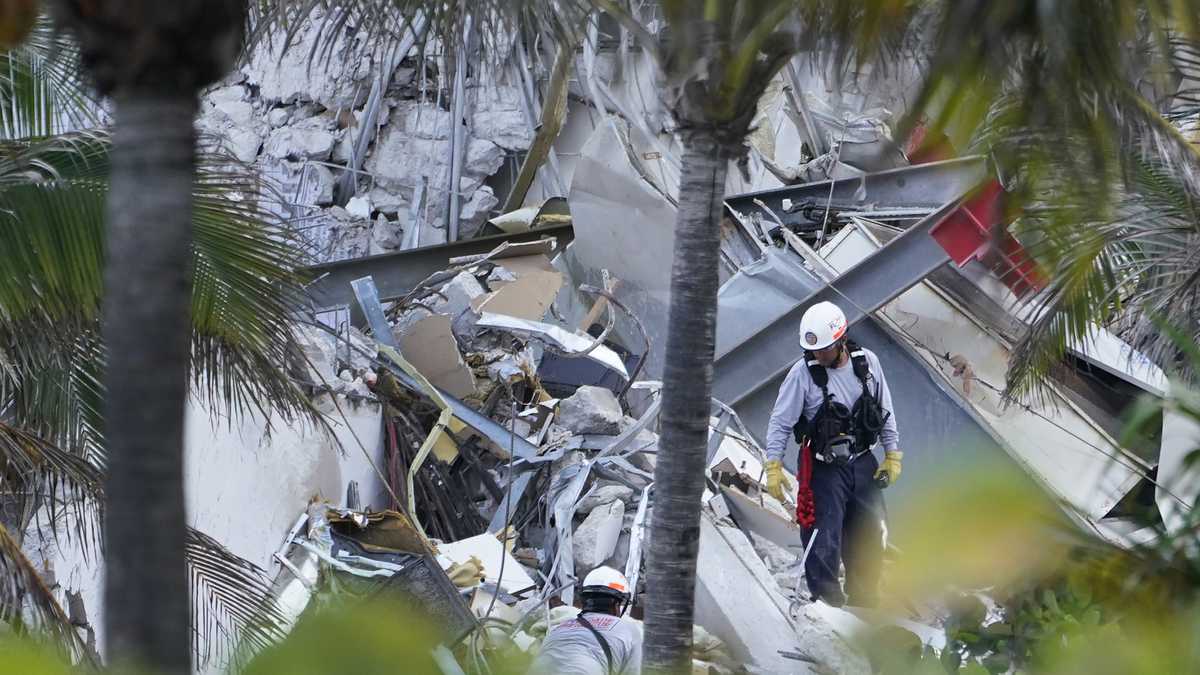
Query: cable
{"points": [[837, 157], [1123, 461], [507, 502], [342, 413]]}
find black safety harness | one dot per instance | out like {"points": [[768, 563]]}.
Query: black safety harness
{"points": [[838, 434], [599, 638]]}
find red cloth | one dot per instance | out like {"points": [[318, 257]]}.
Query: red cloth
{"points": [[806, 506]]}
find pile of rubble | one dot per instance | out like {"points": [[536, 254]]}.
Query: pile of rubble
{"points": [[520, 455], [359, 171]]}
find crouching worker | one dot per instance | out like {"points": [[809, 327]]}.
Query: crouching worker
{"points": [[598, 641]]}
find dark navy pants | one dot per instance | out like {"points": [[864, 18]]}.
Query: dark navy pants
{"points": [[849, 508]]}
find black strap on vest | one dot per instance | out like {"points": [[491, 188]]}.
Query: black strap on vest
{"points": [[865, 421], [599, 638]]}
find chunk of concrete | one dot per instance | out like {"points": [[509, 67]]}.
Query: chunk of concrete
{"points": [[603, 495], [349, 237], [476, 211], [820, 637], [359, 206], [279, 117], [219, 95], [459, 292], [427, 120], [292, 74], [738, 600], [386, 235], [317, 182], [595, 540], [309, 139], [483, 159], [498, 117], [319, 349], [389, 203], [498, 277], [591, 410]]}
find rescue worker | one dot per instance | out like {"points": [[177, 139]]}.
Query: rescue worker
{"points": [[598, 641], [836, 402]]}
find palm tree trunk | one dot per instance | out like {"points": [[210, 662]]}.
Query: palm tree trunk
{"points": [[146, 331], [687, 387]]}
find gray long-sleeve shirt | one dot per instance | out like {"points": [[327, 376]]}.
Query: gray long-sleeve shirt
{"points": [[799, 394], [572, 649]]}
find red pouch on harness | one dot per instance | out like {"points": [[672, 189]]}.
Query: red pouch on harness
{"points": [[806, 508]]}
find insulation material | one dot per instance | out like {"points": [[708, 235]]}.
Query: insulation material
{"points": [[559, 337], [528, 297], [488, 550], [430, 347]]}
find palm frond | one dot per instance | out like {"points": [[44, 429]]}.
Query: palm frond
{"points": [[234, 613], [52, 195], [1103, 184], [356, 28], [246, 290], [1137, 264], [40, 87], [39, 472], [24, 596]]}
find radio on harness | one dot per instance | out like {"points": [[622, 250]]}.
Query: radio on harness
{"points": [[836, 433]]}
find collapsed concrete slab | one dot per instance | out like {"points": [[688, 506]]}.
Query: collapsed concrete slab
{"points": [[738, 600], [591, 410]]}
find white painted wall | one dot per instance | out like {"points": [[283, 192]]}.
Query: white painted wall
{"points": [[247, 481]]}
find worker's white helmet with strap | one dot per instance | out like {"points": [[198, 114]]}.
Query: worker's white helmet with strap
{"points": [[822, 325], [607, 581]]}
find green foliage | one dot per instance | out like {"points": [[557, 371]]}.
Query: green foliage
{"points": [[349, 638], [23, 656], [1097, 608], [53, 192], [40, 92]]}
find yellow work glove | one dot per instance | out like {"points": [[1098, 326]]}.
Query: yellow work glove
{"points": [[774, 470], [890, 468]]}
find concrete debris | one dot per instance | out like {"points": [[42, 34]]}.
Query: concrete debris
{"points": [[386, 235], [477, 210], [293, 75], [826, 644], [319, 351], [591, 410], [458, 294], [508, 389], [497, 116], [603, 494], [278, 117], [500, 276], [309, 139], [595, 539], [389, 204], [359, 207], [573, 344], [318, 181]]}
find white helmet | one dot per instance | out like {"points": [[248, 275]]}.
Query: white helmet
{"points": [[822, 325], [607, 581]]}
